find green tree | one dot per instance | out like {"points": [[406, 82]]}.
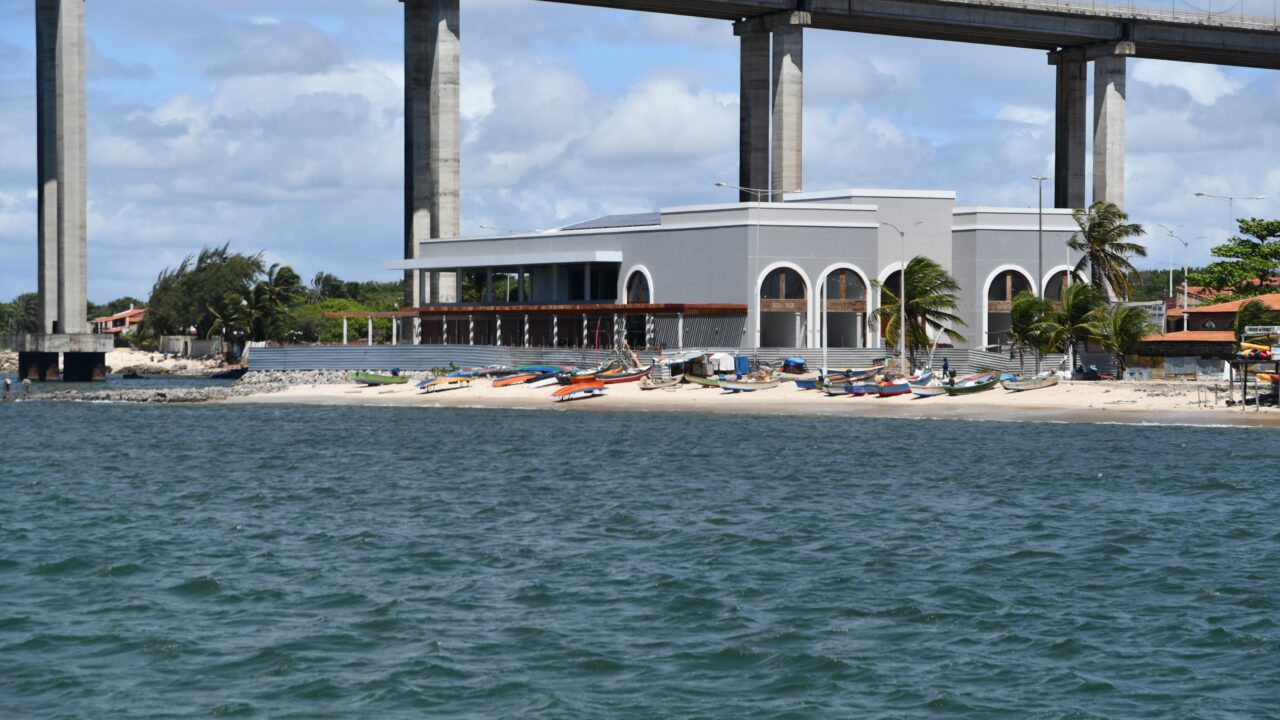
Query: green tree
{"points": [[1250, 257], [1104, 240], [1120, 330], [310, 324], [1073, 322], [270, 301], [26, 313], [932, 298], [183, 297], [1030, 327], [325, 286], [1254, 312]]}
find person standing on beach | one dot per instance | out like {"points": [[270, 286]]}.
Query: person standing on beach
{"points": [[8, 385], [26, 388]]}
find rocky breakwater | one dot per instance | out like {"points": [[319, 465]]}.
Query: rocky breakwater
{"points": [[254, 383]]}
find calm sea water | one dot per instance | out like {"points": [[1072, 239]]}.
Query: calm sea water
{"points": [[308, 562]]}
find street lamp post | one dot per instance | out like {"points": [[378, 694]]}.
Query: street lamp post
{"points": [[1230, 205], [1040, 237], [902, 292]]}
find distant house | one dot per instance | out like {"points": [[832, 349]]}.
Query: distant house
{"points": [[1208, 340], [122, 323]]}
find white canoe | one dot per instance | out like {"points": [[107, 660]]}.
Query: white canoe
{"points": [[1034, 383]]}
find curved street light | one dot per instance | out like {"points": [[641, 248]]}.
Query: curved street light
{"points": [[1231, 199]]}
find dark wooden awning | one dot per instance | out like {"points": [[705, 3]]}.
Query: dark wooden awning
{"points": [[595, 310]]}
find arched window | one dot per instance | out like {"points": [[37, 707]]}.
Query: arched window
{"points": [[782, 284], [784, 309], [1210, 325], [1000, 294], [638, 292], [1055, 286], [846, 304]]}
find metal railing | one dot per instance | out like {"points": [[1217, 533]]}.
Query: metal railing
{"points": [[1232, 15]]}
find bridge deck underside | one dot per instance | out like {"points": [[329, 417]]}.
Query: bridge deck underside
{"points": [[1037, 29]]}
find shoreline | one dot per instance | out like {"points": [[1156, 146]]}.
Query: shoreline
{"points": [[1136, 402]]}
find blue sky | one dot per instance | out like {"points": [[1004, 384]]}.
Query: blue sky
{"points": [[276, 125]]}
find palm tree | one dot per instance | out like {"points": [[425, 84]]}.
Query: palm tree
{"points": [[1029, 328], [1106, 248], [1120, 329], [270, 299], [932, 296], [1254, 312], [1072, 324]]}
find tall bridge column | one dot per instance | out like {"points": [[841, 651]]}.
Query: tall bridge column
{"points": [[60, 147], [753, 127], [433, 138], [63, 204], [771, 139], [1108, 129], [788, 109], [1069, 128]]}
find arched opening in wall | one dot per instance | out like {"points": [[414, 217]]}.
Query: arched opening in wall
{"points": [[1055, 287], [784, 306], [889, 290], [1000, 293], [846, 297], [638, 292]]}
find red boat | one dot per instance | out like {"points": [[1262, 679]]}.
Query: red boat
{"points": [[585, 388], [514, 379]]}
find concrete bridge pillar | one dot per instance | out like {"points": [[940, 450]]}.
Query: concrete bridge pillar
{"points": [[771, 139], [1069, 128], [1108, 129], [753, 128], [60, 149], [788, 110], [433, 137]]}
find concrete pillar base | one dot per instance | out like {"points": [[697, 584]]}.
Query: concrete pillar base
{"points": [[84, 367], [38, 366]]}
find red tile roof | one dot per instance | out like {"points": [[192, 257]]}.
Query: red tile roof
{"points": [[1272, 302], [1213, 336]]}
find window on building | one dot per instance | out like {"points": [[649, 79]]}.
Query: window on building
{"points": [[638, 289]]}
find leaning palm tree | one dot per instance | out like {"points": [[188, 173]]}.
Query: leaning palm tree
{"points": [[1120, 329], [1104, 241], [932, 298], [1073, 323], [1254, 312], [1029, 327]]}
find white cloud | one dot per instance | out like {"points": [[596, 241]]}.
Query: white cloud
{"points": [[1206, 84], [1024, 114]]}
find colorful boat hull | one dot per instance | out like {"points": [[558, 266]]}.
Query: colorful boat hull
{"points": [[576, 390], [514, 380], [373, 379], [748, 385], [446, 383]]}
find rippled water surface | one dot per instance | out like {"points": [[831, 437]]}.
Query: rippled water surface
{"points": [[309, 562]]}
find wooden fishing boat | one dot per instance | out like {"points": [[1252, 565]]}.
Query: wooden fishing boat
{"points": [[666, 383], [373, 379], [933, 389], [862, 388], [810, 384], [622, 376], [974, 384], [894, 388], [749, 384], [702, 381], [1033, 383], [850, 377], [492, 371], [446, 383], [582, 389], [516, 379]]}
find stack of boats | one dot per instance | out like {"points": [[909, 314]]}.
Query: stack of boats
{"points": [[731, 373]]}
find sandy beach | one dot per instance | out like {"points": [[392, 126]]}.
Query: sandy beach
{"points": [[1163, 403]]}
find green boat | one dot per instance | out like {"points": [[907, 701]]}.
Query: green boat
{"points": [[705, 381], [974, 384], [375, 379]]}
